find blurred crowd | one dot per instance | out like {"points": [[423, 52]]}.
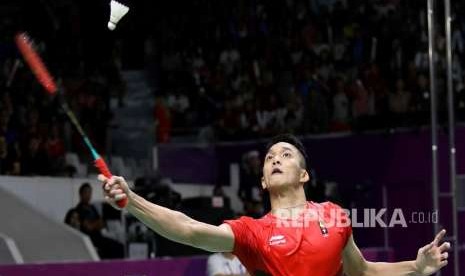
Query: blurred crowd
{"points": [[225, 70], [34, 131], [247, 69]]}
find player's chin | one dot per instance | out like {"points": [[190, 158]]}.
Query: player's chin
{"points": [[278, 183]]}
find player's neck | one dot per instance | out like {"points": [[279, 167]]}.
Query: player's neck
{"points": [[290, 200]]}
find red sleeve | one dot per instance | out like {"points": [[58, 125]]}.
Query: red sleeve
{"points": [[245, 242], [343, 224]]}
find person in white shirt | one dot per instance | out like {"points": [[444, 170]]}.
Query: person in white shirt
{"points": [[225, 264]]}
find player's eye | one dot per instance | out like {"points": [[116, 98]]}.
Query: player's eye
{"points": [[269, 157], [287, 154]]}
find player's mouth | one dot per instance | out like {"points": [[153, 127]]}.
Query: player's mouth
{"points": [[276, 171]]}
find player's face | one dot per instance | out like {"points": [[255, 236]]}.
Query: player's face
{"points": [[282, 166]]}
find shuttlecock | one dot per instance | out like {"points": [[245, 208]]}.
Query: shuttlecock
{"points": [[117, 11]]}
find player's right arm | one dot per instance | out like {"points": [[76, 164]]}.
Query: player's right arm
{"points": [[172, 225]]}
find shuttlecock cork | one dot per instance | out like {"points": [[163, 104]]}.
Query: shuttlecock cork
{"points": [[117, 11]]}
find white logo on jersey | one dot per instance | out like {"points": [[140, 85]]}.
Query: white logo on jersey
{"points": [[278, 239]]}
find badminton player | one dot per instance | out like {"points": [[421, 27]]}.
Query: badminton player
{"points": [[275, 244]]}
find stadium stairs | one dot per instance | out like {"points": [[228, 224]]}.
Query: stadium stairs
{"points": [[132, 133]]}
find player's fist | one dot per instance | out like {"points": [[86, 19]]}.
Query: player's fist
{"points": [[433, 256], [115, 189]]}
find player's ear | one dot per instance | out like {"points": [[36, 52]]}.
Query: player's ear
{"points": [[264, 183], [304, 176]]}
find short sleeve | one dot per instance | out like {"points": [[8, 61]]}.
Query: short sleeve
{"points": [[245, 243], [343, 221]]}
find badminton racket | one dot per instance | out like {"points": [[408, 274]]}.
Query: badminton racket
{"points": [[44, 77]]}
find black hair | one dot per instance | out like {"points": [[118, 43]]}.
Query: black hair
{"points": [[84, 186], [293, 140]]}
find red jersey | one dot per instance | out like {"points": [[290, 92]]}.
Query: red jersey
{"points": [[308, 245]]}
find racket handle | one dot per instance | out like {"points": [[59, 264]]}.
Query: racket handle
{"points": [[103, 169]]}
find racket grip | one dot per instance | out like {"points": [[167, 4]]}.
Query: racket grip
{"points": [[103, 169]]}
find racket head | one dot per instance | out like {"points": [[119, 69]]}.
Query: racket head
{"points": [[33, 59]]}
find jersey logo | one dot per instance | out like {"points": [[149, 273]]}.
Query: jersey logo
{"points": [[278, 239]]}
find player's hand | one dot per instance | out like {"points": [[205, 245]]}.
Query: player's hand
{"points": [[114, 189], [433, 256]]}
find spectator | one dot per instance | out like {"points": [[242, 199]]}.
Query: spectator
{"points": [[72, 219], [179, 105], [229, 58], [363, 104], [162, 120], [35, 160], [295, 113], [422, 60], [250, 177], [377, 88], [225, 264], [9, 134], [422, 95], [219, 199], [250, 190], [55, 148], [92, 224], [399, 100], [341, 108], [229, 121], [249, 122], [277, 113], [458, 41]]}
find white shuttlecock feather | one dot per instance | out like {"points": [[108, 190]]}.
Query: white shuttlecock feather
{"points": [[117, 11]]}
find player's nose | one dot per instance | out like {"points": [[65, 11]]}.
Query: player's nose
{"points": [[276, 161]]}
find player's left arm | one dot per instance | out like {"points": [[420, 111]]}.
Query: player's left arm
{"points": [[430, 258]]}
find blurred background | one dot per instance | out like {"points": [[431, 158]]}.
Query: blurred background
{"points": [[181, 98]]}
